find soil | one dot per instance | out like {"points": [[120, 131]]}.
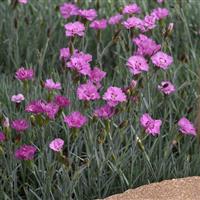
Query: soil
{"points": [[175, 189]]}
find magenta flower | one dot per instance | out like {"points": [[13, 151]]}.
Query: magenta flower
{"points": [[149, 22], [17, 98], [99, 24], [167, 87], [64, 54], [25, 152], [186, 127], [74, 29], [23, 1], [131, 9], [87, 92], [51, 85], [114, 96], [134, 22], [90, 14], [75, 120], [104, 112], [162, 60], [56, 144], [2, 137], [20, 125], [24, 74], [151, 126], [146, 46], [96, 75], [51, 109], [115, 19], [137, 64], [35, 107], [68, 9], [61, 101], [160, 13]]}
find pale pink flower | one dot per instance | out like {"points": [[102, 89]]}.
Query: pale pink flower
{"points": [[23, 1], [24, 74], [160, 1], [99, 24], [25, 152], [74, 29], [68, 9], [56, 144], [17, 98], [115, 19], [90, 14], [137, 64], [51, 85], [162, 60], [151, 126], [75, 120], [114, 96], [167, 87], [131, 9], [186, 127], [104, 112]]}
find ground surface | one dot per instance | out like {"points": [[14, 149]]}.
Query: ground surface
{"points": [[179, 189]]}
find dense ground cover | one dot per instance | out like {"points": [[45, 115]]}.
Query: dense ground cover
{"points": [[122, 148]]}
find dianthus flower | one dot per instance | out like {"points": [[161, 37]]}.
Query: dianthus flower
{"points": [[87, 92], [51, 85], [61, 101], [151, 126], [131, 9], [96, 75], [166, 87], [23, 1], [74, 29], [134, 22], [64, 54], [186, 127], [2, 137], [25, 152], [56, 144], [90, 14], [137, 64], [146, 46], [160, 1], [17, 98], [20, 125], [115, 19], [68, 9], [35, 107], [149, 22], [104, 112], [75, 120], [50, 109], [24, 74], [162, 60], [99, 24], [114, 96], [160, 13]]}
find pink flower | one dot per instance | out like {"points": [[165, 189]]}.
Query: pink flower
{"points": [[35, 107], [186, 127], [6, 122], [131, 9], [2, 137], [75, 120], [104, 112], [160, 1], [61, 101], [162, 60], [166, 87], [56, 145], [146, 46], [51, 85], [80, 63], [23, 1], [68, 9], [50, 109], [134, 22], [64, 54], [96, 75], [74, 28], [115, 19], [137, 64], [151, 126], [25, 152], [160, 13], [20, 125], [87, 92], [24, 74], [17, 98], [99, 24], [90, 14], [149, 22], [114, 96]]}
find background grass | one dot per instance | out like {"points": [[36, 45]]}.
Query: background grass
{"points": [[31, 36]]}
